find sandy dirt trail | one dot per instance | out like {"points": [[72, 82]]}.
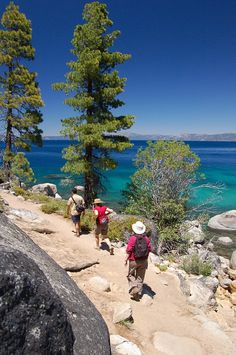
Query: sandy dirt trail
{"points": [[169, 311]]}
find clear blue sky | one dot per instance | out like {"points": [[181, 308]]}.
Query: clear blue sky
{"points": [[182, 75]]}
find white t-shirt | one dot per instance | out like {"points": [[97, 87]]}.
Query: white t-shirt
{"points": [[79, 201]]}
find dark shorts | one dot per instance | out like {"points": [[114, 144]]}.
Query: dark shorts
{"points": [[101, 229], [75, 219]]}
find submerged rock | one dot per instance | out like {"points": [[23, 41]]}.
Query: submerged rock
{"points": [[226, 241], [224, 222]]}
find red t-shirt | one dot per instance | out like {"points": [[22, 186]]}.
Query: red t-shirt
{"points": [[101, 213], [131, 244]]}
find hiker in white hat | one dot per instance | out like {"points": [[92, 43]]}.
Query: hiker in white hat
{"points": [[137, 250], [101, 212]]}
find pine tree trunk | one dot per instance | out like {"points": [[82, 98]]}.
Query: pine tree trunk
{"points": [[8, 140], [8, 148], [88, 178]]}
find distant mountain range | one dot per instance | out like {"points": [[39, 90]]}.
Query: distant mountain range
{"points": [[230, 137]]}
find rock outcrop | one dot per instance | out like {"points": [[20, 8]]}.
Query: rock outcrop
{"points": [[47, 188], [42, 310], [233, 260], [192, 231], [170, 344]]}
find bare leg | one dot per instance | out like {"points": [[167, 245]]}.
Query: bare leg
{"points": [[97, 240], [77, 228], [107, 240]]}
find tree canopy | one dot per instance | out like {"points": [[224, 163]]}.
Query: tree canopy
{"points": [[20, 97], [160, 188], [92, 86]]}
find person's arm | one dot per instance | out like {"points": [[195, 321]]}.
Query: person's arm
{"points": [[129, 248], [130, 245], [108, 211], [68, 207], [149, 245], [83, 204], [95, 212], [126, 259]]}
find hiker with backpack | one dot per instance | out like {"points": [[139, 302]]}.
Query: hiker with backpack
{"points": [[75, 206], [101, 212], [137, 250]]}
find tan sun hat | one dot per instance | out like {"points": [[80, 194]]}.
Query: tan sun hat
{"points": [[138, 227], [97, 200]]}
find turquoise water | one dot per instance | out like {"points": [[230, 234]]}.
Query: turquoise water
{"points": [[218, 163]]}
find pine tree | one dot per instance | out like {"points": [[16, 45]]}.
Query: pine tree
{"points": [[21, 169], [92, 85], [20, 97]]}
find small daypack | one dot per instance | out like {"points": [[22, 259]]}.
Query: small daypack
{"points": [[140, 247], [102, 217], [79, 207]]}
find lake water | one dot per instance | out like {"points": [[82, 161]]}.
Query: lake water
{"points": [[218, 163]]}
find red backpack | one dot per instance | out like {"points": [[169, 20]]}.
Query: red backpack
{"points": [[102, 218], [140, 247]]}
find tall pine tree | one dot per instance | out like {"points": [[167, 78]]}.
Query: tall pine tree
{"points": [[92, 86], [20, 97]]}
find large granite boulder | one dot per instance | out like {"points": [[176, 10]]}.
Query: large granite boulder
{"points": [[192, 231], [224, 222], [47, 189], [42, 310], [31, 312]]}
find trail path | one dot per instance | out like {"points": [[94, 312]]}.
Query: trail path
{"points": [[169, 312]]}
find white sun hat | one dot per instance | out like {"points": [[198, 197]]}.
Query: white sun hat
{"points": [[138, 227]]}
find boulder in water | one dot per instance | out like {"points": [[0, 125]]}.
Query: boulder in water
{"points": [[47, 189], [224, 222], [226, 241]]}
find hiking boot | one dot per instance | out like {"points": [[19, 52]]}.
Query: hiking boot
{"points": [[111, 251]]}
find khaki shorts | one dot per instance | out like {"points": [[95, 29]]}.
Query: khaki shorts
{"points": [[101, 229]]}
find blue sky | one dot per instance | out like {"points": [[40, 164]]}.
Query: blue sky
{"points": [[182, 75]]}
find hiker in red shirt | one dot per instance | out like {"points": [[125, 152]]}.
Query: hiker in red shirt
{"points": [[138, 249], [101, 212]]}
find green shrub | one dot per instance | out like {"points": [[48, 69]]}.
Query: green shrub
{"points": [[39, 197], [118, 228], [194, 265], [162, 267], [54, 206], [2, 205], [3, 177], [33, 196], [19, 191]]}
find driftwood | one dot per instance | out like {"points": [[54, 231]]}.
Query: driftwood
{"points": [[80, 266]]}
